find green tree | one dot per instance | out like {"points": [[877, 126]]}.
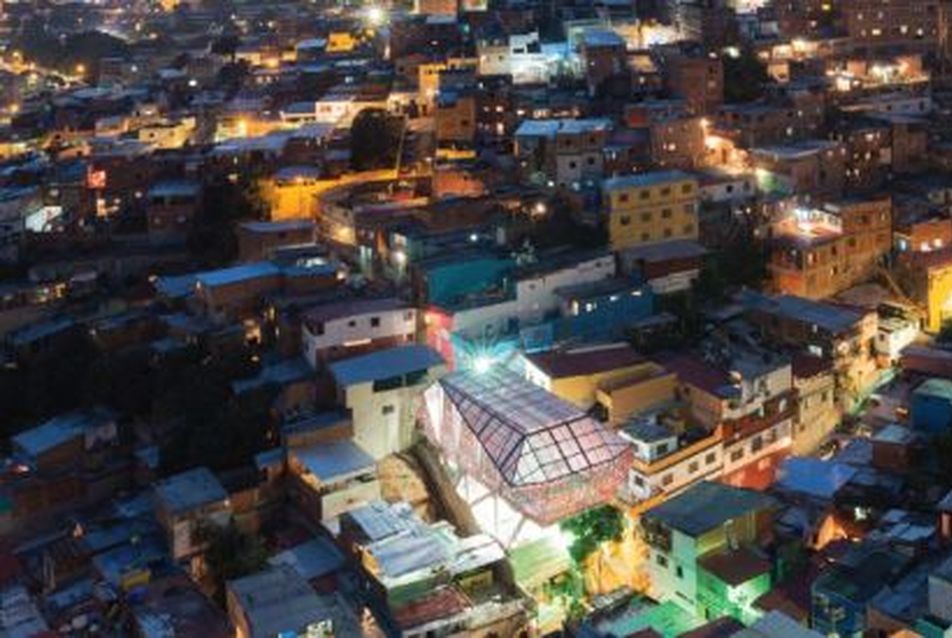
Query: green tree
{"points": [[745, 76], [225, 202], [53, 379], [374, 140], [591, 528], [122, 380], [230, 553], [200, 398], [66, 53]]}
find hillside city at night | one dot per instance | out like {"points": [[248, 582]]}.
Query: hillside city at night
{"points": [[476, 318]]}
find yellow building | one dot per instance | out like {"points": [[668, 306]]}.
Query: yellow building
{"points": [[646, 388], [168, 135], [455, 117], [577, 376], [927, 278], [341, 42], [291, 192], [428, 75], [650, 208]]}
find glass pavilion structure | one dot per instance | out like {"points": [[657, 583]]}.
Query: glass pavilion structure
{"points": [[521, 457]]}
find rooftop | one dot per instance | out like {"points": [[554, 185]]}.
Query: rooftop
{"points": [[237, 274], [940, 388], [279, 227], [777, 625], [735, 567], [334, 461], [175, 188], [312, 559], [278, 601], [560, 364], [814, 477], [707, 505], [551, 128], [189, 490], [531, 436], [832, 318], [352, 308], [384, 364], [58, 430], [645, 180]]}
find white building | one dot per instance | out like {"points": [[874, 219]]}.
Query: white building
{"points": [[342, 329], [382, 389], [521, 56]]}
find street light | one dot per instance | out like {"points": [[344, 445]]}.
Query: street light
{"points": [[376, 16]]}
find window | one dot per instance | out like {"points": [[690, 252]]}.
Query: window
{"points": [[623, 198], [667, 479], [661, 560], [757, 444], [624, 220], [646, 217], [666, 213], [693, 467], [667, 232], [351, 323], [645, 194], [737, 454], [387, 409], [679, 571], [662, 449], [645, 236], [375, 322], [710, 458]]}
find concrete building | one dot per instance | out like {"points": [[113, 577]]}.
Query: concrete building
{"points": [[562, 153], [381, 389], [818, 253], [278, 600], [650, 208], [184, 503], [705, 549], [342, 329]]}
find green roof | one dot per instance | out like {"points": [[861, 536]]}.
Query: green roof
{"points": [[536, 562]]}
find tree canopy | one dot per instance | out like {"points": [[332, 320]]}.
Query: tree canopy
{"points": [[374, 140], [591, 528], [745, 77]]}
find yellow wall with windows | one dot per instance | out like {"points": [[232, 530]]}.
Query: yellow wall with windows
{"points": [[939, 298], [652, 213]]}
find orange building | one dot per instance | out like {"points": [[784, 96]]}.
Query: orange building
{"points": [[818, 253]]}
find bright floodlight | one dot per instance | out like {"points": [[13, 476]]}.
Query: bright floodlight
{"points": [[376, 16], [482, 364]]}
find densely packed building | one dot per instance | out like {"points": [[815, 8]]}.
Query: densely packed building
{"points": [[486, 319]]}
